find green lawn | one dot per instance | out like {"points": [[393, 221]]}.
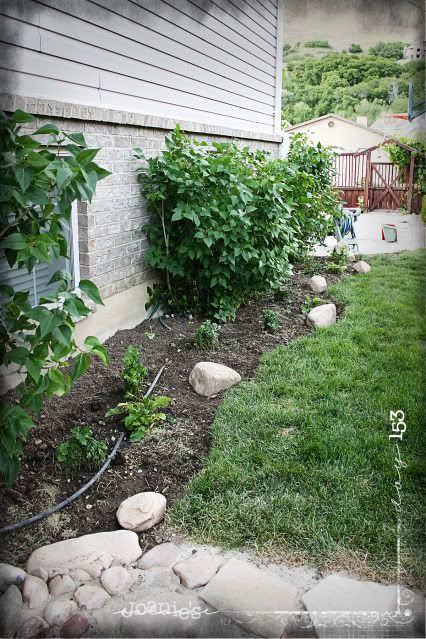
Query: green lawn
{"points": [[322, 492]]}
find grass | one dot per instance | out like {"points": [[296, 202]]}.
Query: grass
{"points": [[301, 466]]}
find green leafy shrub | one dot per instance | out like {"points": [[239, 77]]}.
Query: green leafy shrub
{"points": [[282, 294], [37, 188], [355, 48], [225, 221], [271, 322], [391, 50], [141, 415], [207, 336], [402, 158], [423, 211], [310, 303], [81, 449], [317, 44], [134, 372]]}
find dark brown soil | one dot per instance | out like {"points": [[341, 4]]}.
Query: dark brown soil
{"points": [[170, 455]]}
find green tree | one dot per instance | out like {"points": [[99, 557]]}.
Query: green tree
{"points": [[391, 50], [38, 184], [355, 48]]}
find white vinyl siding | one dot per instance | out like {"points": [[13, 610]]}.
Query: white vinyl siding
{"points": [[213, 62]]}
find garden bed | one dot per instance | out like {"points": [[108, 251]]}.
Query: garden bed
{"points": [[170, 455]]}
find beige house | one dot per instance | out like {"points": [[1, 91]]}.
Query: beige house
{"points": [[345, 136]]}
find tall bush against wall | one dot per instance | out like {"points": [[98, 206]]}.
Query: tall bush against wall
{"points": [[225, 222], [39, 180]]}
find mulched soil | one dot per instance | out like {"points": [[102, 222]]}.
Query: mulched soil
{"points": [[170, 455]]}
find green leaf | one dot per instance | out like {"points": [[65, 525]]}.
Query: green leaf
{"points": [[60, 276], [81, 364], [14, 241], [91, 291], [78, 138], [94, 346], [47, 128], [33, 367], [22, 116], [86, 156], [63, 176]]}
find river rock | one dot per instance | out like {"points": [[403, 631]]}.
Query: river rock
{"points": [[34, 592], [32, 627], [318, 284], [58, 612], [41, 573], [91, 597], [92, 553], [197, 570], [362, 267], [322, 316], [115, 580], [10, 575], [208, 378], [161, 556], [61, 584], [141, 511]]}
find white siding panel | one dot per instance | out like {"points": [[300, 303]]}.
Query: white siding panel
{"points": [[211, 61], [175, 41], [219, 22], [187, 32], [57, 45], [156, 50]]}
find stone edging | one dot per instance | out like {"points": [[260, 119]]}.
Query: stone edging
{"points": [[69, 110]]}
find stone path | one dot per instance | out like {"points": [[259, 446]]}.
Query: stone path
{"points": [[102, 585]]}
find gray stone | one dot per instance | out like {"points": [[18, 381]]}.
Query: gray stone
{"points": [[58, 612], [92, 553], [209, 378], [32, 627], [362, 267], [318, 284], [141, 511], [158, 578], [336, 605], [197, 570], [322, 316], [61, 584], [80, 575], [257, 600], [91, 597], [115, 580], [10, 608], [10, 575], [35, 592], [161, 556]]}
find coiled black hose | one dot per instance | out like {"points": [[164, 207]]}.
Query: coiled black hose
{"points": [[71, 498]]}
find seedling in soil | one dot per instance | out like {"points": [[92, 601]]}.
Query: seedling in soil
{"points": [[207, 336], [134, 372], [281, 295], [81, 449], [271, 322], [140, 416]]}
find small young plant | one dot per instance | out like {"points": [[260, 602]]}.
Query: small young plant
{"points": [[140, 415], [81, 449], [310, 303], [281, 294], [207, 336], [336, 261], [134, 372], [309, 265], [271, 322]]}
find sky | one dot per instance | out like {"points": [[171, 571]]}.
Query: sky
{"points": [[362, 21]]}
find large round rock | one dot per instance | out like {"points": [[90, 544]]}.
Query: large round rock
{"points": [[208, 378], [322, 316], [142, 511]]}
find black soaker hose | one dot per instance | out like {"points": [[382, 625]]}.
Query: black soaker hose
{"points": [[71, 498]]}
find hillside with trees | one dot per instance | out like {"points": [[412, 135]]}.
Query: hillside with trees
{"points": [[349, 84]]}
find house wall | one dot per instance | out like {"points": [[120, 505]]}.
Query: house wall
{"points": [[343, 136], [215, 62]]}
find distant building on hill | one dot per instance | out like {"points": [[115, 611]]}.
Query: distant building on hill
{"points": [[414, 51]]}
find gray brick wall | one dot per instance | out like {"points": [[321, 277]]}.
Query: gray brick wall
{"points": [[111, 241]]}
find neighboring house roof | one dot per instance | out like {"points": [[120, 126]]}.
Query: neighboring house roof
{"points": [[336, 117], [398, 124]]}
